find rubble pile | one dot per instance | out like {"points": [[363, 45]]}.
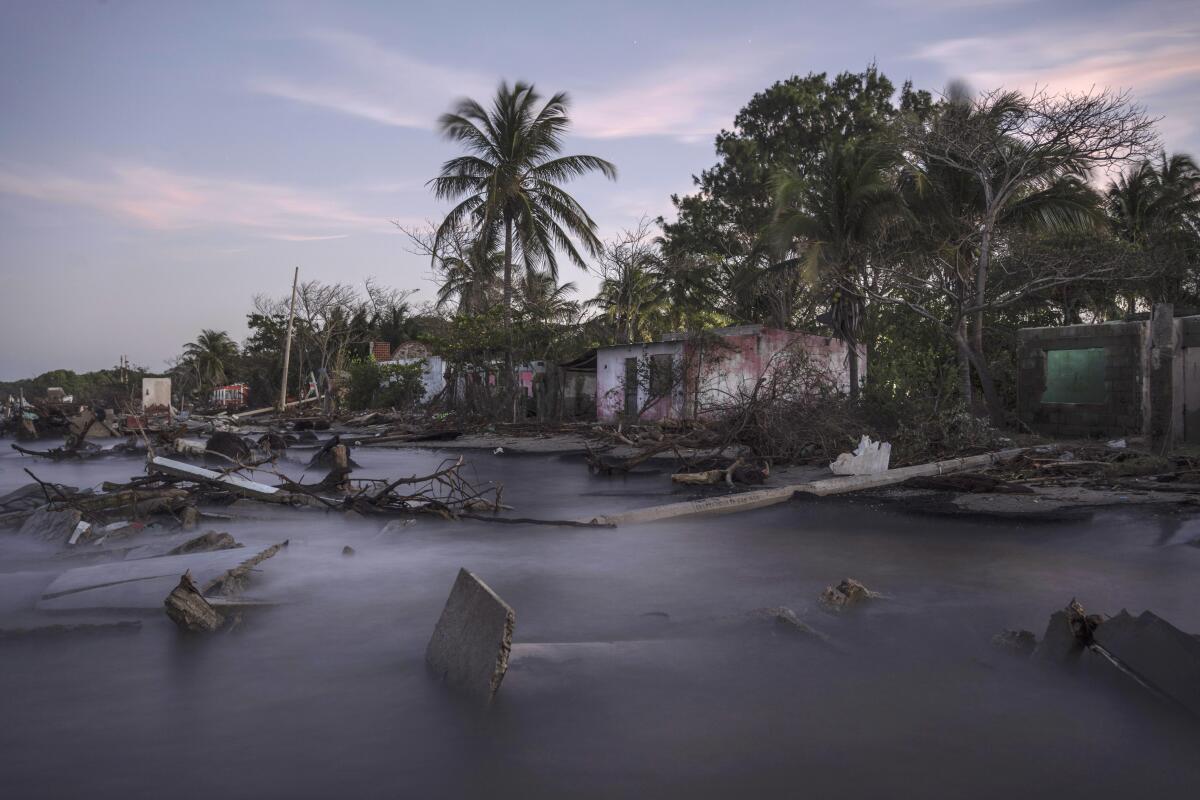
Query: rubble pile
{"points": [[1145, 652]]}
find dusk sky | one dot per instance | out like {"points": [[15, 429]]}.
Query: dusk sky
{"points": [[163, 162]]}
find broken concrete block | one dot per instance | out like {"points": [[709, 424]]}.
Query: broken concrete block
{"points": [[143, 582], [470, 645], [869, 458], [1158, 653], [1019, 643], [847, 593], [188, 609], [205, 543], [52, 525], [1067, 633]]}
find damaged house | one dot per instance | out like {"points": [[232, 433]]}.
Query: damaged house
{"points": [[685, 376], [1136, 377]]}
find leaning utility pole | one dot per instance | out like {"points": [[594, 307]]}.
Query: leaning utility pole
{"points": [[287, 347]]}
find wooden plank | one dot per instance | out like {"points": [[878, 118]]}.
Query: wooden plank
{"points": [[237, 484]]}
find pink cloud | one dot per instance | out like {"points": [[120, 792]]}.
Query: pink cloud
{"points": [[161, 199], [1118, 57], [688, 99]]}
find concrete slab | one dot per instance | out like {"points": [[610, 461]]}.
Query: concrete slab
{"points": [[470, 645], [141, 583], [1157, 652]]}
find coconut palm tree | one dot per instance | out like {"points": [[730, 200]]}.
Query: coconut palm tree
{"points": [[470, 279], [832, 218], [629, 297], [210, 356], [509, 180], [545, 300], [1155, 205]]}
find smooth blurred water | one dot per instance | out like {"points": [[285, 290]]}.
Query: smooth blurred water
{"points": [[327, 696]]}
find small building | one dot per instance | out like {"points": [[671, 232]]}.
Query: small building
{"points": [[433, 374], [1136, 377], [683, 376], [231, 397], [156, 394]]}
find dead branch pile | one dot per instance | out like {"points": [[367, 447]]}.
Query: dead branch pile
{"points": [[446, 492], [796, 412], [689, 442], [1101, 465]]}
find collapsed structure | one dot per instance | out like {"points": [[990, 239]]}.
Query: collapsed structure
{"points": [[685, 376], [1137, 377]]}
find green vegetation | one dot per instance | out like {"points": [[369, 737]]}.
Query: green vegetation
{"points": [[924, 229]]}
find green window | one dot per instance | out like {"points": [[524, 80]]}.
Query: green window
{"points": [[1075, 376]]}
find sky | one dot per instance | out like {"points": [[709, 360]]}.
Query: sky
{"points": [[161, 163]]}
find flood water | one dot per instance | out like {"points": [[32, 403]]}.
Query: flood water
{"points": [[326, 694]]}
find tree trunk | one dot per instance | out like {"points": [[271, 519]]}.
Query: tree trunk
{"points": [[990, 397], [964, 364], [509, 384], [981, 276], [508, 287], [852, 359]]}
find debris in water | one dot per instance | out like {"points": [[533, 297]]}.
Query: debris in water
{"points": [[472, 640], [1019, 643], [347, 550], [847, 593], [205, 543], [1156, 653], [51, 525], [1067, 633], [188, 609], [785, 619]]}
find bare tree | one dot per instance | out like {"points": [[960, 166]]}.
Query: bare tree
{"points": [[1028, 158]]}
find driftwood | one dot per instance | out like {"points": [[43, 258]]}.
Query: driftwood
{"points": [[188, 609]]}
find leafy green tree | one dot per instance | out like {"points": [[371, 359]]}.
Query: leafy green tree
{"points": [[718, 229], [509, 182]]}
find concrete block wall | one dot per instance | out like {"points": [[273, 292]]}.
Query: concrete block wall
{"points": [[1124, 408]]}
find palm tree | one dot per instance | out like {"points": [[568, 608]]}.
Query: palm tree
{"points": [[628, 297], [508, 182], [833, 217], [210, 356], [1156, 206], [471, 279], [545, 300]]}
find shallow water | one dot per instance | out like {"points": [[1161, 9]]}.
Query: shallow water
{"points": [[326, 695]]}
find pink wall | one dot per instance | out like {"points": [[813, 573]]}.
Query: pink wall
{"points": [[723, 371]]}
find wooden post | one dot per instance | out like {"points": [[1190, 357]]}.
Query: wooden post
{"points": [[287, 347]]}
